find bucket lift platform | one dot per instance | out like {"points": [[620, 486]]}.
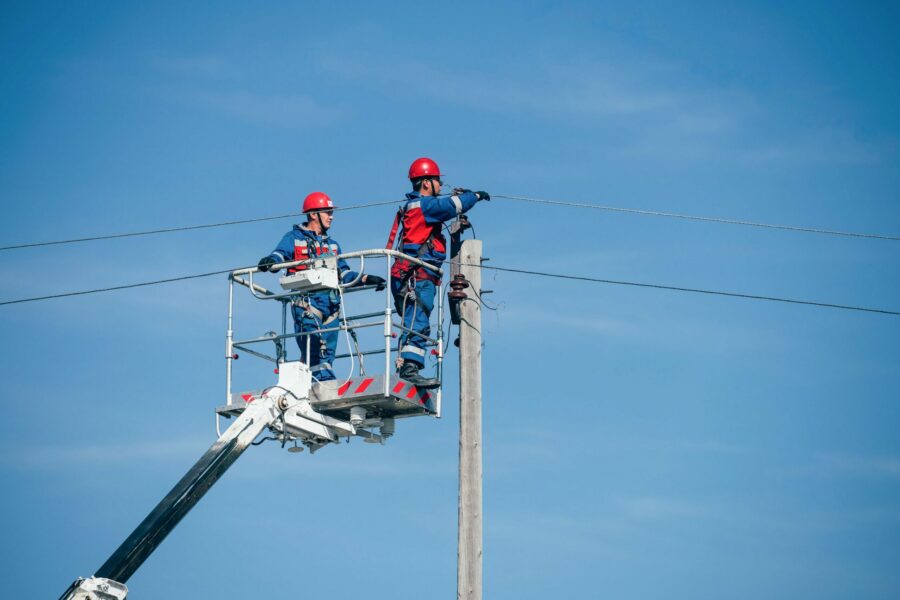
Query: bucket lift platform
{"points": [[403, 400], [337, 399], [296, 409], [362, 396]]}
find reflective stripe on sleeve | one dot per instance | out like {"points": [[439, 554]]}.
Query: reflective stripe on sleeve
{"points": [[457, 203]]}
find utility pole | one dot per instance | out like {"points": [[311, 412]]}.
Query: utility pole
{"points": [[469, 569]]}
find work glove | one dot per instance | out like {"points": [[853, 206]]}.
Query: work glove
{"points": [[462, 191], [377, 281], [265, 263], [483, 195]]}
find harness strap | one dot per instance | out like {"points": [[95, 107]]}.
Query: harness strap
{"points": [[425, 245], [313, 248], [315, 312], [410, 273], [394, 228]]}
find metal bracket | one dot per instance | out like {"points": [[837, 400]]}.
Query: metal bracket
{"points": [[456, 230], [321, 275], [95, 588]]}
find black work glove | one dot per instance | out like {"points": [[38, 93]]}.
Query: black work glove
{"points": [[265, 263], [377, 281], [483, 195]]}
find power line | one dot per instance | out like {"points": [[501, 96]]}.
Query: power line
{"points": [[185, 228], [117, 287], [695, 290], [506, 197], [504, 269], [656, 213]]}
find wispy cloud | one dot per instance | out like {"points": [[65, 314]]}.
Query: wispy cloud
{"points": [[887, 467], [200, 66], [711, 447], [287, 111], [840, 468], [652, 508], [51, 457], [817, 147], [215, 83], [342, 465], [646, 108], [628, 324], [596, 534], [588, 89], [523, 317], [267, 465]]}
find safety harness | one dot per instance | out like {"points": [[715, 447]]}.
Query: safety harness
{"points": [[407, 273], [313, 250], [403, 269]]}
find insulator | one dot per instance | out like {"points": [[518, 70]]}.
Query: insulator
{"points": [[387, 427], [357, 415], [458, 283]]}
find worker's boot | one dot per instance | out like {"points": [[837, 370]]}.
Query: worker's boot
{"points": [[410, 372]]}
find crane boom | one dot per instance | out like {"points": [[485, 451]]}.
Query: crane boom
{"points": [[177, 503], [294, 410]]}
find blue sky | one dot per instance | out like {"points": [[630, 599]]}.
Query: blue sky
{"points": [[638, 443]]}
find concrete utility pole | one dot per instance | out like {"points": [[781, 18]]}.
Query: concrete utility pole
{"points": [[469, 578]]}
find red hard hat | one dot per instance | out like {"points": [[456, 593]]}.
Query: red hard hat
{"points": [[317, 201], [423, 167]]}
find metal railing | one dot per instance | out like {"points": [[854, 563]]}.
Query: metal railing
{"points": [[244, 277]]}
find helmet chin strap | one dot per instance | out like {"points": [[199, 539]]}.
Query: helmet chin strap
{"points": [[322, 229]]}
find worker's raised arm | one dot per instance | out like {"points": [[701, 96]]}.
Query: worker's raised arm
{"points": [[438, 209]]}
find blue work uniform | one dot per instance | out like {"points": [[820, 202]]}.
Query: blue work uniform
{"points": [[317, 310], [422, 219]]}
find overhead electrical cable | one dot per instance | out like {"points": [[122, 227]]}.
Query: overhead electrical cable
{"points": [[656, 213], [619, 209], [503, 269], [694, 290], [185, 228], [117, 287]]}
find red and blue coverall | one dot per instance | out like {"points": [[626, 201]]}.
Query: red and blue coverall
{"points": [[317, 310], [421, 219]]}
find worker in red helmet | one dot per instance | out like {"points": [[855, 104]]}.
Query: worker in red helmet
{"points": [[317, 310], [420, 221]]}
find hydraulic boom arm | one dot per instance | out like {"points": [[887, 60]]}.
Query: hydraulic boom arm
{"points": [[108, 582]]}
